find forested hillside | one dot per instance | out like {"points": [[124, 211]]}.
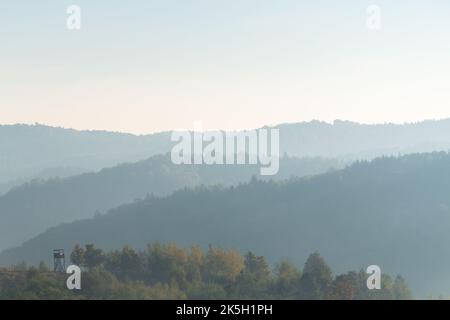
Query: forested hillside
{"points": [[31, 208], [393, 212]]}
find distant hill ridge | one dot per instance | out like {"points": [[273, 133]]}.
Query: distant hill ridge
{"points": [[26, 150]]}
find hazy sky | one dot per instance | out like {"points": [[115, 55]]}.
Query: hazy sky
{"points": [[146, 66]]}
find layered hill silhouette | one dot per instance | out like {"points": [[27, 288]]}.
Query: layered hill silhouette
{"points": [[392, 212], [30, 209], [27, 150]]}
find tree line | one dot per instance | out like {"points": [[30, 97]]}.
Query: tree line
{"points": [[168, 271]]}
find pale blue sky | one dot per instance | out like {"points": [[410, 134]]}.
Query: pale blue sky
{"points": [[146, 66]]}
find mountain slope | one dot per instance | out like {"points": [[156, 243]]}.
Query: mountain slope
{"points": [[393, 212], [30, 209]]}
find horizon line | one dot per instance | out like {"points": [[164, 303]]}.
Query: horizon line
{"points": [[331, 123]]}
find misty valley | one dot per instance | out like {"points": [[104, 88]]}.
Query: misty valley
{"points": [[353, 212], [224, 159]]}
